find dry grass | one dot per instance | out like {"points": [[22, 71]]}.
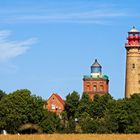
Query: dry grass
{"points": [[72, 137]]}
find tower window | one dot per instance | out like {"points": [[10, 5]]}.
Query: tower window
{"points": [[133, 66], [101, 88], [94, 88], [133, 34], [88, 87]]}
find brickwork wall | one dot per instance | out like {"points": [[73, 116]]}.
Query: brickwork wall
{"points": [[95, 86], [132, 84], [54, 105]]}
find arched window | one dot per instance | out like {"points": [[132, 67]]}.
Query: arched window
{"points": [[94, 88], [101, 88], [88, 87]]}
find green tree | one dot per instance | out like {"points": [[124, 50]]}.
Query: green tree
{"points": [[20, 107], [133, 110], [71, 104], [2, 94], [100, 105], [84, 104], [124, 116], [105, 123], [50, 122], [71, 109], [88, 124]]}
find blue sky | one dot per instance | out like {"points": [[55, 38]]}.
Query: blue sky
{"points": [[47, 46]]}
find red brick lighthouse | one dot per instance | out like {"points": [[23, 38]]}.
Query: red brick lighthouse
{"points": [[96, 82]]}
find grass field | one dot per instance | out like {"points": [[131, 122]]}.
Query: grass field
{"points": [[71, 137]]}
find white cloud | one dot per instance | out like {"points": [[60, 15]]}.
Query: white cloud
{"points": [[76, 14], [11, 49], [81, 17], [95, 14]]}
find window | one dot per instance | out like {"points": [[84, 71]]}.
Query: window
{"points": [[52, 106], [101, 88], [134, 34], [133, 66], [88, 87], [94, 88]]}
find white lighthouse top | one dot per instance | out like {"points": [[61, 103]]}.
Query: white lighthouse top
{"points": [[133, 30]]}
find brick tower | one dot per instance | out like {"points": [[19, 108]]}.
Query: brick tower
{"points": [[96, 82], [132, 81]]}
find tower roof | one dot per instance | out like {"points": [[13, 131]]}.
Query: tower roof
{"points": [[96, 64], [134, 30]]}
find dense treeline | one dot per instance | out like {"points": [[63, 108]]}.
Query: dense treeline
{"points": [[22, 112]]}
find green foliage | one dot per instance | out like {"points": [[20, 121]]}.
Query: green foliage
{"points": [[71, 109], [107, 115], [2, 94], [71, 104], [50, 122], [20, 107], [100, 105], [88, 124], [123, 115], [84, 104]]}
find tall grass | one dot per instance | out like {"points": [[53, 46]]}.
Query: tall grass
{"points": [[72, 137]]}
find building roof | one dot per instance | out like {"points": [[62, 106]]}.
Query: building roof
{"points": [[96, 64], [58, 97], [133, 30]]}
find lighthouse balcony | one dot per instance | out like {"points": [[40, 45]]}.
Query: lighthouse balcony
{"points": [[132, 44], [133, 37], [90, 77]]}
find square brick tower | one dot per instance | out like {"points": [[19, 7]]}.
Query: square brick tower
{"points": [[96, 82]]}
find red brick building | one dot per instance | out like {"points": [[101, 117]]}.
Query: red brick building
{"points": [[96, 82], [55, 103]]}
